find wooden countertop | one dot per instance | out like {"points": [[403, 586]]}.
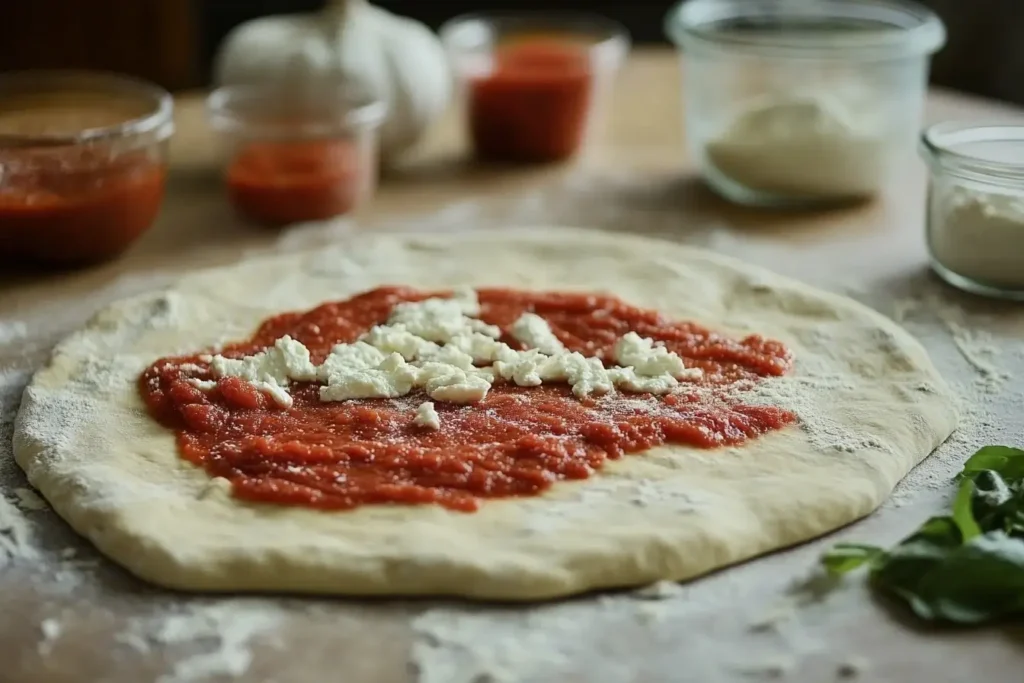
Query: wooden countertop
{"points": [[77, 619]]}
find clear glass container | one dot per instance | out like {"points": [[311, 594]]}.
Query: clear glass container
{"points": [[802, 103], [83, 164], [534, 85], [297, 153], [975, 218]]}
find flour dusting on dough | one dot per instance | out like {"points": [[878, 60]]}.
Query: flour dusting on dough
{"points": [[577, 500], [16, 537]]}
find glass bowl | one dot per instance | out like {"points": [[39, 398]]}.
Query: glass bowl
{"points": [[296, 154], [975, 217], [791, 103], [83, 164], [535, 85]]}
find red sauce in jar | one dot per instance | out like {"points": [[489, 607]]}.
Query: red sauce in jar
{"points": [[534, 105], [516, 442], [76, 205], [288, 182]]}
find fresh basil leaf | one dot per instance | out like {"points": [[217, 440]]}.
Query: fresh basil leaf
{"points": [[907, 564], [980, 580], [1007, 461], [963, 510], [846, 557], [994, 505], [967, 567]]}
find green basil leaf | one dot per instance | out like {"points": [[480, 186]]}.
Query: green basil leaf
{"points": [[995, 504], [981, 580], [1007, 461], [963, 510], [907, 564], [845, 557], [967, 567]]}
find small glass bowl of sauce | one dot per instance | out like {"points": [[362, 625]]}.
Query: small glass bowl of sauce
{"points": [[297, 154], [534, 84], [83, 165]]}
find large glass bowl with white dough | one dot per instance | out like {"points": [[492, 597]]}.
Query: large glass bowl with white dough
{"points": [[794, 103]]}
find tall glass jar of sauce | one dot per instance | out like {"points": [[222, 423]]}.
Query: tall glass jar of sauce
{"points": [[534, 83]]}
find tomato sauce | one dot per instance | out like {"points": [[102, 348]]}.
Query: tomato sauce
{"points": [[277, 183], [516, 442], [75, 205], [534, 105]]}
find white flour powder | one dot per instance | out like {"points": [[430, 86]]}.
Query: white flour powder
{"points": [[15, 531], [12, 331], [979, 235], [806, 145]]}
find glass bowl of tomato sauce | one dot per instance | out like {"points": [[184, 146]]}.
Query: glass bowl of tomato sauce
{"points": [[297, 153], [535, 84], [83, 164]]}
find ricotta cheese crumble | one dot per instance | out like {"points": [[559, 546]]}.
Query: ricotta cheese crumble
{"points": [[438, 346], [426, 416]]}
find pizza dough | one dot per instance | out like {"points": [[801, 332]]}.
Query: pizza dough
{"points": [[871, 406]]}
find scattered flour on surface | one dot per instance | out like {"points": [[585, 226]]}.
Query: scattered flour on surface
{"points": [[50, 629], [16, 536], [28, 499], [659, 590], [12, 331], [230, 625]]}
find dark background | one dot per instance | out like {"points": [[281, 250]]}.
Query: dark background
{"points": [[172, 41]]}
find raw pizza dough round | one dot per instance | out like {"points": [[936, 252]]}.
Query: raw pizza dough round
{"points": [[871, 406]]}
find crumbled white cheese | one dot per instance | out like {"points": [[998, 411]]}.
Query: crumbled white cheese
{"points": [[392, 378], [526, 368], [271, 365], [480, 327], [436, 320], [450, 355], [586, 375], [469, 388], [398, 339], [426, 416], [626, 379], [481, 347], [445, 382], [270, 370], [434, 345], [295, 358], [202, 384], [651, 360], [534, 332], [277, 392], [348, 357], [468, 301]]}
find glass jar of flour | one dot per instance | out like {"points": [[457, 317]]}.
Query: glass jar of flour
{"points": [[975, 224], [791, 103]]}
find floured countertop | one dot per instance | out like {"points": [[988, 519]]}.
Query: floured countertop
{"points": [[68, 615]]}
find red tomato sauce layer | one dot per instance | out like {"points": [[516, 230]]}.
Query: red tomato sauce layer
{"points": [[516, 442]]}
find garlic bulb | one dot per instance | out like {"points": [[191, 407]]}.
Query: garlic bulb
{"points": [[399, 60]]}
